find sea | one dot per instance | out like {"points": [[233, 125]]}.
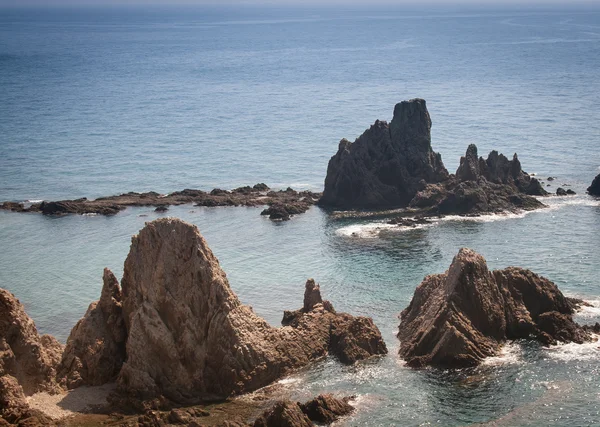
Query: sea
{"points": [[96, 101]]}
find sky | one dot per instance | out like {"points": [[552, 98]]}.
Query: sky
{"points": [[365, 3]]}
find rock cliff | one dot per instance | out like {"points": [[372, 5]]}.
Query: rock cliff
{"points": [[177, 331], [393, 165], [387, 164], [594, 189], [28, 361], [458, 318]]}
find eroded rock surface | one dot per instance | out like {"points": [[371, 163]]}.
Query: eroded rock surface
{"points": [[393, 165], [95, 348], [594, 189], [459, 317], [28, 362], [323, 409], [387, 164], [188, 337]]}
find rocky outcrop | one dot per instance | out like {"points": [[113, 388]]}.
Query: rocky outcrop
{"points": [[387, 164], [186, 336], [594, 189], [288, 200], [25, 355], [28, 362], [284, 211], [95, 348], [394, 166], [323, 409], [458, 318]]}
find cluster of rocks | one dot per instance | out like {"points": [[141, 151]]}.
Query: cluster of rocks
{"points": [[291, 200], [324, 409], [393, 165], [173, 332], [458, 318]]}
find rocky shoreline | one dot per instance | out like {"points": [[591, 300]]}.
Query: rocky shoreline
{"points": [[283, 203]]}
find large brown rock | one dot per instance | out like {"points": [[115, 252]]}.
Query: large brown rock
{"points": [[387, 164], [462, 316], [189, 338], [95, 348], [25, 355], [283, 414], [594, 189]]}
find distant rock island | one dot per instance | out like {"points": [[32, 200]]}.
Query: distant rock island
{"points": [[173, 333], [392, 165], [458, 318]]}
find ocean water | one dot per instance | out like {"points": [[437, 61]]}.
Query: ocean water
{"points": [[97, 101]]}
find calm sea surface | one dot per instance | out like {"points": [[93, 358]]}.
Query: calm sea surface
{"points": [[96, 102]]}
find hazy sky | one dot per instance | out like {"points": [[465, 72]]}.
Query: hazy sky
{"points": [[366, 3]]}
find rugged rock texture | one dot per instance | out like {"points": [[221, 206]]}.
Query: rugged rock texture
{"points": [[295, 202], [28, 363], [387, 164], [95, 348], [30, 358], [323, 409], [458, 318], [594, 189], [482, 186], [394, 166], [283, 414], [190, 339], [284, 211]]}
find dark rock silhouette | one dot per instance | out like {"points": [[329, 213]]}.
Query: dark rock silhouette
{"points": [[458, 318], [594, 189], [393, 165], [387, 164]]}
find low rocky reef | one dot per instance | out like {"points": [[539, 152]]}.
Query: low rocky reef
{"points": [[283, 203], [172, 333], [594, 189], [392, 165], [458, 318]]}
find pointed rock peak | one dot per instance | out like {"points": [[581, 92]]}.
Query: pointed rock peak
{"points": [[472, 151], [469, 165], [465, 261], [412, 124], [111, 291], [312, 295]]}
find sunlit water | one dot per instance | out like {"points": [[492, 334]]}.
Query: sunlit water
{"points": [[98, 102]]}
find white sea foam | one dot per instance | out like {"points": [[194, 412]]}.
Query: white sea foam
{"points": [[289, 380], [591, 311], [374, 229], [510, 353], [567, 352], [34, 201]]}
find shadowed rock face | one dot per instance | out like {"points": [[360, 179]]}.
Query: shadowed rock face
{"points": [[387, 164], [186, 336], [28, 362], [462, 316], [95, 348], [323, 409], [394, 166], [594, 189]]}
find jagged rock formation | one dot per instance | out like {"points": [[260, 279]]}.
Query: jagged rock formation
{"points": [[187, 337], [95, 348], [28, 361], [458, 318], [493, 185], [323, 409], [594, 189], [387, 164], [393, 165]]}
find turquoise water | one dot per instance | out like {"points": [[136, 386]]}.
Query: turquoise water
{"points": [[98, 101]]}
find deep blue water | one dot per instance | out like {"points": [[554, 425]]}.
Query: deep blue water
{"points": [[100, 101]]}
